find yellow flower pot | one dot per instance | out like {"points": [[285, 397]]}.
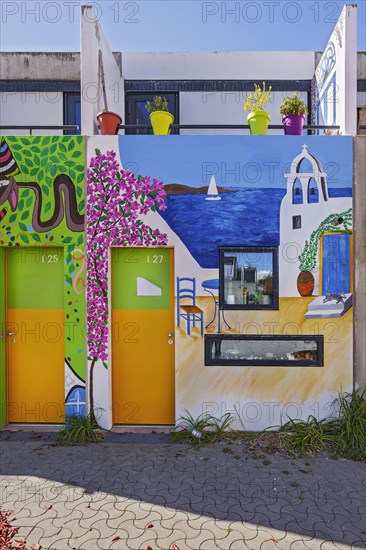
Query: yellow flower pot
{"points": [[161, 122], [258, 122]]}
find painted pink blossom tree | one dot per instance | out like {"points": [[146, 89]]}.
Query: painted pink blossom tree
{"points": [[116, 201]]}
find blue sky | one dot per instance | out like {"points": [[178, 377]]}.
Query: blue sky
{"points": [[240, 161], [177, 25]]}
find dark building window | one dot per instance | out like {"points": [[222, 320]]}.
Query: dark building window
{"points": [[72, 111], [136, 112], [248, 277], [266, 351], [296, 222]]}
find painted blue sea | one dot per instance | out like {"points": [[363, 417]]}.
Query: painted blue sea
{"points": [[248, 217]]}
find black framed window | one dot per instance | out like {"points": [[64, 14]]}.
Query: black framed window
{"points": [[266, 351], [248, 277], [72, 111], [296, 222], [136, 112]]}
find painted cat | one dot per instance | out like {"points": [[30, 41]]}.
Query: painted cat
{"points": [[329, 297]]}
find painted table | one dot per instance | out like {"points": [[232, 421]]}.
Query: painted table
{"points": [[210, 286]]}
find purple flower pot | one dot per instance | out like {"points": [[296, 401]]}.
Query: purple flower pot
{"points": [[293, 124]]}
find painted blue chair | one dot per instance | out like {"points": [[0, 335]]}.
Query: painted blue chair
{"points": [[190, 312]]}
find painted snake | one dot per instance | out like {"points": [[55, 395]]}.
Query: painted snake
{"points": [[62, 184], [9, 190]]}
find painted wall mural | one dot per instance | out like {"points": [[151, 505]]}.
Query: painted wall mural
{"points": [[275, 207], [41, 207], [289, 195], [117, 204]]}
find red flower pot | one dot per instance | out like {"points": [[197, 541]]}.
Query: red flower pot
{"points": [[305, 283], [109, 122]]}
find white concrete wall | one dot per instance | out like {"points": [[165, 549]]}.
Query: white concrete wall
{"points": [[218, 65], [92, 100], [220, 107], [31, 108], [40, 66], [344, 39], [224, 108]]}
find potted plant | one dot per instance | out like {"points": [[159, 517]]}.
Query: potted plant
{"points": [[293, 111], [258, 119], [161, 119], [109, 122], [307, 262]]}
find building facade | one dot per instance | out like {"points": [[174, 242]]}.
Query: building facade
{"points": [[142, 276]]}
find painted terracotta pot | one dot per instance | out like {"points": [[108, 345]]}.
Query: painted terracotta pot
{"points": [[305, 283], [109, 122], [258, 122], [293, 124], [161, 122]]}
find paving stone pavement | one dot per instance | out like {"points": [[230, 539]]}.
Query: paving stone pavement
{"points": [[136, 491]]}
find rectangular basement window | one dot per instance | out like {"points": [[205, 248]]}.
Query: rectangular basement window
{"points": [[266, 351]]}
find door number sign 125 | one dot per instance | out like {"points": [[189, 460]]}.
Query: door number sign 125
{"points": [[50, 259]]}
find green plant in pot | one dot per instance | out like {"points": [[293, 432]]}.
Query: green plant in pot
{"points": [[293, 111], [307, 262], [160, 118], [334, 223], [258, 119]]}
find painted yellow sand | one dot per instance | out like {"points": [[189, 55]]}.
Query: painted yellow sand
{"points": [[196, 382]]}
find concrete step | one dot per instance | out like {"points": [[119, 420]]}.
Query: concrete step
{"points": [[318, 304], [317, 309]]}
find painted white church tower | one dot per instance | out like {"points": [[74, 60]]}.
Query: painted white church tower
{"points": [[305, 205]]}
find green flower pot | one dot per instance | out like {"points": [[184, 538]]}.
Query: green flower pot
{"points": [[258, 122]]}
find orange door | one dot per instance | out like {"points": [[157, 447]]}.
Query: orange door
{"points": [[35, 335], [143, 336]]}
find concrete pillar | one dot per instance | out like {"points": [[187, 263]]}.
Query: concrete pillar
{"points": [[359, 209]]}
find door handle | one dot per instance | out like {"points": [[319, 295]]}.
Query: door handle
{"points": [[171, 334], [4, 333]]}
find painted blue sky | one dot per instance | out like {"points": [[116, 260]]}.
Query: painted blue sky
{"points": [[235, 161], [179, 25]]}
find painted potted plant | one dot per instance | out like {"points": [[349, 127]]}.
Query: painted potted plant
{"points": [[258, 119], [160, 118], [109, 122], [308, 258], [293, 111], [307, 262]]}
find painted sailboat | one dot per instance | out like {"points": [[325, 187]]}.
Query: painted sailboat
{"points": [[212, 192]]}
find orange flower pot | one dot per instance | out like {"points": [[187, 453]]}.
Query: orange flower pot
{"points": [[109, 122]]}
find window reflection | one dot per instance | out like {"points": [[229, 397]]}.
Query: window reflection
{"points": [[263, 350], [248, 277]]}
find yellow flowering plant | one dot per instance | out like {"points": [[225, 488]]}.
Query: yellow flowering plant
{"points": [[260, 97]]}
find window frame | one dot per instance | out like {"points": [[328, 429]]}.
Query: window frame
{"points": [[130, 110], [69, 100], [275, 277], [211, 338]]}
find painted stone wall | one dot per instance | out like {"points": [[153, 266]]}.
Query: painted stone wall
{"points": [[292, 194], [42, 207]]}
